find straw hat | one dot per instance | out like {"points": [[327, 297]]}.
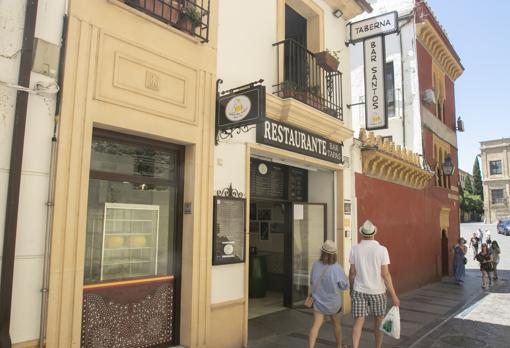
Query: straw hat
{"points": [[368, 229], [329, 247]]}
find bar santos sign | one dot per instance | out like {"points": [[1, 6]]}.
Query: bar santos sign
{"points": [[379, 25], [286, 137], [375, 101]]}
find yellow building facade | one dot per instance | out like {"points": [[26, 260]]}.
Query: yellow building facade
{"points": [[134, 175]]}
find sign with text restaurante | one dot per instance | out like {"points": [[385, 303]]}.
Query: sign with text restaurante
{"points": [[375, 99], [286, 137], [384, 24]]}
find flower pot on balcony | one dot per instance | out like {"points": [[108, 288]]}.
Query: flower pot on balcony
{"points": [[166, 9], [190, 19], [326, 60]]}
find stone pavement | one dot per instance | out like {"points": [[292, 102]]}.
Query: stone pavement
{"points": [[427, 320]]}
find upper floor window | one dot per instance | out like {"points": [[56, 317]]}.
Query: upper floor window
{"points": [[497, 196], [389, 81], [438, 85], [191, 16], [495, 167]]}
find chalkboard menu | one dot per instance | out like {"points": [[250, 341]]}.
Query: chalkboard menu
{"points": [[228, 230], [269, 185], [278, 182], [298, 185]]}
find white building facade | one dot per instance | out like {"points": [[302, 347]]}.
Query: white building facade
{"points": [[33, 217], [296, 199]]}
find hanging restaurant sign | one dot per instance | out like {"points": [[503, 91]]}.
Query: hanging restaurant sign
{"points": [[241, 106], [379, 25], [286, 137], [375, 99]]}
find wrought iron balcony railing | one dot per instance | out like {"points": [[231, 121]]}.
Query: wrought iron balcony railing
{"points": [[302, 78], [191, 16]]}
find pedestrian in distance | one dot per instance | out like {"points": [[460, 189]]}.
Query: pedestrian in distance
{"points": [[486, 265], [474, 244], [495, 257], [459, 261], [369, 279], [488, 239], [480, 235], [327, 280]]}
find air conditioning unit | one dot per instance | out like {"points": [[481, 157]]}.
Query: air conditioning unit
{"points": [[429, 96]]}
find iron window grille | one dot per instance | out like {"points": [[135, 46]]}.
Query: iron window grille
{"points": [[495, 167], [305, 80], [190, 16]]}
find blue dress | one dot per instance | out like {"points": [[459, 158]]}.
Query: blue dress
{"points": [[459, 268], [327, 298]]}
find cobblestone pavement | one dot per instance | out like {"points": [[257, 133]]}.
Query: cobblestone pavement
{"points": [[442, 314]]}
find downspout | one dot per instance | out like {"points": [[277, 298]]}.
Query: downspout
{"points": [[411, 17], [13, 190], [51, 190]]}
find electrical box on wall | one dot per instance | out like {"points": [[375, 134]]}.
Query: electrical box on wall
{"points": [[46, 58]]}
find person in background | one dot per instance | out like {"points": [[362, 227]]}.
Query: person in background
{"points": [[474, 244], [327, 280], [486, 266], [369, 278], [488, 239], [480, 235], [459, 266], [495, 257]]}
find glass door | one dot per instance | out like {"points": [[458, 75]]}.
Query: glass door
{"points": [[308, 235]]}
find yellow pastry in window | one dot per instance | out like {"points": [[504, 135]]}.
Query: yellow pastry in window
{"points": [[114, 242], [137, 241]]}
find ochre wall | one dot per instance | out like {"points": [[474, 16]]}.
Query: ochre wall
{"points": [[408, 222]]}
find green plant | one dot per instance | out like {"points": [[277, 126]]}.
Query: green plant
{"points": [[315, 90], [289, 86], [193, 14]]}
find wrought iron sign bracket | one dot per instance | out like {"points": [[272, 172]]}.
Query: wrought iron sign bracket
{"points": [[229, 192], [221, 133], [355, 104]]}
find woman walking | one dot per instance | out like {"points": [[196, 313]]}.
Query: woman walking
{"points": [[486, 266], [495, 256], [327, 280], [459, 258]]}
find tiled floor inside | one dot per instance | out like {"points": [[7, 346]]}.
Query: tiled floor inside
{"points": [[272, 302]]}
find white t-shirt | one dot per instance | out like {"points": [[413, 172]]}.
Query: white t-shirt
{"points": [[368, 257]]}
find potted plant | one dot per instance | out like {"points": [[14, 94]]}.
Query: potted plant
{"points": [[166, 9], [190, 18], [328, 60], [314, 96], [288, 89]]}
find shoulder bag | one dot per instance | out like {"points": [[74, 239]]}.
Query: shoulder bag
{"points": [[309, 298]]}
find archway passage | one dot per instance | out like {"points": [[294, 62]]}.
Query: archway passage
{"points": [[444, 253]]}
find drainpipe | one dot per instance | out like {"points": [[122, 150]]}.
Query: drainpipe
{"points": [[51, 194], [13, 190]]}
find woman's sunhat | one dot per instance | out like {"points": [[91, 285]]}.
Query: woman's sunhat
{"points": [[329, 247], [368, 229]]}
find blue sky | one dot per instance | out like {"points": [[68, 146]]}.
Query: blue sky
{"points": [[480, 33]]}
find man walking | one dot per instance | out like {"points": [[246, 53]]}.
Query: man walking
{"points": [[369, 278]]}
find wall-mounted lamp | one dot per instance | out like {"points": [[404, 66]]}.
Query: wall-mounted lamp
{"points": [[338, 13], [448, 166], [460, 125]]}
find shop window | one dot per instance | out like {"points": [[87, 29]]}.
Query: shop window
{"points": [[389, 74], [495, 167], [497, 196], [133, 204]]}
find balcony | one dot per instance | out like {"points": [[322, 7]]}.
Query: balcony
{"points": [[302, 78], [190, 16]]}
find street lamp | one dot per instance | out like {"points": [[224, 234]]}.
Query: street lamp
{"points": [[448, 166]]}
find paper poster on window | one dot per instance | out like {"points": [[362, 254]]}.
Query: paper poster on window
{"points": [[375, 102]]}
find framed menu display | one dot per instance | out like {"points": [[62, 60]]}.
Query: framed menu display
{"points": [[229, 221]]}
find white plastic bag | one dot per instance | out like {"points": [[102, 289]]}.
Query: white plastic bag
{"points": [[391, 323]]}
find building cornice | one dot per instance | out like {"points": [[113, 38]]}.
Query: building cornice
{"points": [[296, 113], [389, 162], [439, 50]]}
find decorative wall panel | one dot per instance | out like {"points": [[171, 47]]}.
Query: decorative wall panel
{"points": [[132, 76]]}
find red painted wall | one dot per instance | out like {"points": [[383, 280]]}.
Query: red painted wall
{"points": [[424, 73], [449, 104], [408, 225]]}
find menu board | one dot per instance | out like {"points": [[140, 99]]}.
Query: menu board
{"points": [[228, 230], [270, 184], [298, 185]]}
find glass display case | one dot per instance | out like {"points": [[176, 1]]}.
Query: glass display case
{"points": [[130, 241]]}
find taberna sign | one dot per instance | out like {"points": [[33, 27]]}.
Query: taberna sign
{"points": [[241, 107], [290, 138], [379, 25], [375, 98]]}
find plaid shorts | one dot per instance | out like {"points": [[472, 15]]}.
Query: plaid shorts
{"points": [[365, 304]]}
